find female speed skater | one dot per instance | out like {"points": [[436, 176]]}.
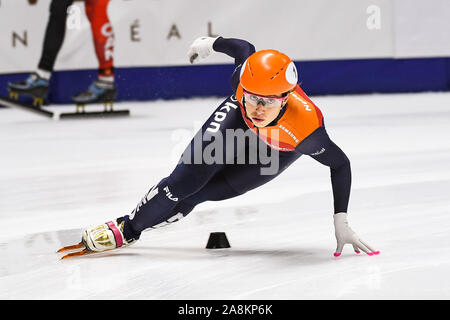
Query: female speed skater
{"points": [[252, 136]]}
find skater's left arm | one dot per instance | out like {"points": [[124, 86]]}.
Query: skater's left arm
{"points": [[321, 148]]}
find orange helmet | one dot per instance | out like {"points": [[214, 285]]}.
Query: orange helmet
{"points": [[268, 73]]}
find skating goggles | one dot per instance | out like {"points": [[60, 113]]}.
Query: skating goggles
{"points": [[269, 102]]}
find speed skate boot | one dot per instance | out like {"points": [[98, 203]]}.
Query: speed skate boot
{"points": [[34, 86], [107, 236], [99, 91]]}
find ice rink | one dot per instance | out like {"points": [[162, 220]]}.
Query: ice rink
{"points": [[57, 177]]}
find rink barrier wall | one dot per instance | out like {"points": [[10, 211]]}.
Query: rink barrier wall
{"points": [[315, 77]]}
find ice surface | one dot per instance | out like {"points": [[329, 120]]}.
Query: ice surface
{"points": [[57, 177]]}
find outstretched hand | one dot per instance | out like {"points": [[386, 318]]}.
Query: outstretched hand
{"points": [[201, 48], [345, 235]]}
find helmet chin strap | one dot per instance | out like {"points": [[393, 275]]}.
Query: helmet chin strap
{"points": [[245, 109], [282, 110]]}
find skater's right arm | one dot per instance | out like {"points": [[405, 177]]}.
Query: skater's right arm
{"points": [[238, 49]]}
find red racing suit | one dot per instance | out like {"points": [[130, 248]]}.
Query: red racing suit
{"points": [[102, 33]]}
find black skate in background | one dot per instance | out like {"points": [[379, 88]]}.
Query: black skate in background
{"points": [[38, 94], [34, 87], [99, 92]]}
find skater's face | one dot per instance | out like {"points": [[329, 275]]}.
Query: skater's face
{"points": [[262, 110]]}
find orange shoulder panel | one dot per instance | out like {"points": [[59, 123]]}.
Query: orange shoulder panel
{"points": [[301, 118]]}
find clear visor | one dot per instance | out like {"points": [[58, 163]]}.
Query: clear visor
{"points": [[269, 102]]}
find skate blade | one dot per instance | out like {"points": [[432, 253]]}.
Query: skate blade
{"points": [[74, 247], [76, 254], [68, 248]]}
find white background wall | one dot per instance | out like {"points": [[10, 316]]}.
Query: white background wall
{"points": [[164, 29]]}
